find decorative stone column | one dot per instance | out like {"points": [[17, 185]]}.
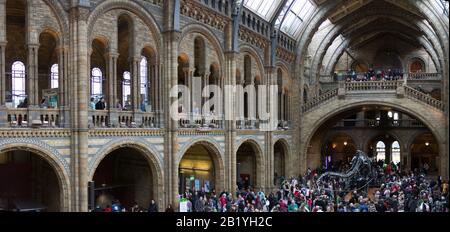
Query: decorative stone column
{"points": [[230, 120], [3, 113], [2, 55], [269, 142], [406, 155], [79, 107], [111, 72], [63, 93], [135, 83], [32, 75], [170, 79]]}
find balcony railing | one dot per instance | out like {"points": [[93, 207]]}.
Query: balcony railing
{"points": [[247, 124], [363, 123], [124, 119], [33, 117], [371, 85], [189, 120], [424, 76]]}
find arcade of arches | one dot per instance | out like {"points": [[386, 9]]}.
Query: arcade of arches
{"points": [[382, 132], [92, 108]]}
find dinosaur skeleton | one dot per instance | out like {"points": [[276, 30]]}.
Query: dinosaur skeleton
{"points": [[360, 173]]}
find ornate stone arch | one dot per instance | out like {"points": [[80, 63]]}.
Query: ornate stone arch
{"points": [[259, 158], [151, 155], [209, 36], [258, 59], [60, 168], [287, 153], [61, 18], [393, 134], [310, 132], [216, 155], [411, 60], [131, 6]]}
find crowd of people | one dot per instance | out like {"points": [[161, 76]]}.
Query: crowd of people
{"points": [[100, 104], [390, 191], [372, 75]]}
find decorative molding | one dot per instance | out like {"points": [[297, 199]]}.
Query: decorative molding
{"points": [[252, 139], [43, 147], [203, 14], [128, 132], [209, 142], [140, 144], [253, 38], [285, 54], [195, 132], [33, 133]]}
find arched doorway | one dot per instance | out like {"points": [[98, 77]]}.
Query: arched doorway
{"points": [[338, 149], [369, 124], [28, 182], [279, 162], [424, 151], [248, 166], [199, 169], [125, 175]]}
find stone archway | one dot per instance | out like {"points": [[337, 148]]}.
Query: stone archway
{"points": [[429, 116], [280, 161], [44, 169], [250, 163], [201, 162], [128, 172], [424, 150]]}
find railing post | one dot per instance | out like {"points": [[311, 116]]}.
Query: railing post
{"points": [[400, 90], [113, 118], [341, 90]]}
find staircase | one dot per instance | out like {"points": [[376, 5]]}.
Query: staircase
{"points": [[372, 88]]}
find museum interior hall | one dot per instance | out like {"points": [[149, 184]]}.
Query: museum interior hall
{"points": [[224, 105]]}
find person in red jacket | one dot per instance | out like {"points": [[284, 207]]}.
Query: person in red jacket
{"points": [[108, 209]]}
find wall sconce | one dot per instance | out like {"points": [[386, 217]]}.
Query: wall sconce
{"points": [[427, 144], [345, 143]]}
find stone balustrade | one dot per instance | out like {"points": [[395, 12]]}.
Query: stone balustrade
{"points": [[424, 76], [358, 86], [371, 87], [33, 117], [189, 120], [424, 98], [401, 123], [316, 101], [124, 119]]}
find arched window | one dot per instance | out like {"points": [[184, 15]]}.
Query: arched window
{"points": [[126, 89], [395, 152], [54, 76], [199, 56], [18, 83], [381, 151], [280, 93], [144, 79], [96, 83], [416, 66], [247, 69]]}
